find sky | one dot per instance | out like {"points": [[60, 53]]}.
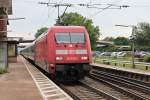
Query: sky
{"points": [[37, 16]]}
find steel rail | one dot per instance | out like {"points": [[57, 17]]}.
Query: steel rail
{"points": [[142, 83], [106, 80], [109, 96], [89, 88], [69, 92], [125, 81]]}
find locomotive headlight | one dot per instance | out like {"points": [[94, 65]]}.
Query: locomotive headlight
{"points": [[59, 58], [84, 57]]}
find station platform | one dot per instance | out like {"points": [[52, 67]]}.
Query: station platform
{"points": [[130, 70], [19, 83]]}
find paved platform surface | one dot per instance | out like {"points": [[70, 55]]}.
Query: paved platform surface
{"points": [[138, 71], [17, 84]]}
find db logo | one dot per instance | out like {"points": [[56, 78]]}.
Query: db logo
{"points": [[71, 51]]}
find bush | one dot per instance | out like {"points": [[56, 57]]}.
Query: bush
{"points": [[140, 59], [147, 58], [2, 71], [142, 48]]}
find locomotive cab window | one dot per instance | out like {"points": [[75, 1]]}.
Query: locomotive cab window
{"points": [[62, 37], [70, 37], [77, 37]]}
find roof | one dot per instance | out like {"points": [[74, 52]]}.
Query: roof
{"points": [[105, 42], [59, 27]]}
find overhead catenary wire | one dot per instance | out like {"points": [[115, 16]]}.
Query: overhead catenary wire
{"points": [[88, 5], [60, 3], [140, 6], [108, 7]]}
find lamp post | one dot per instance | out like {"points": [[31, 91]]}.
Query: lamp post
{"points": [[134, 28]]}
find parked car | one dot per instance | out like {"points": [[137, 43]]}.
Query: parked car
{"points": [[102, 54], [105, 54], [114, 54], [121, 54], [141, 53], [96, 53]]}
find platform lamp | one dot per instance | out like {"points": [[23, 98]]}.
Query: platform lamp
{"points": [[132, 38]]}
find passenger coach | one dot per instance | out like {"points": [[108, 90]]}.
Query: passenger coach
{"points": [[62, 51]]}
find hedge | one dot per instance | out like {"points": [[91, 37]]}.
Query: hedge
{"points": [[147, 58]]}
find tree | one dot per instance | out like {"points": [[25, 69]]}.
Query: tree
{"points": [[77, 19], [108, 39], [40, 31], [121, 41], [142, 36]]}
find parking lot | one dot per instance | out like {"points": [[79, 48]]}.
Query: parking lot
{"points": [[123, 59]]}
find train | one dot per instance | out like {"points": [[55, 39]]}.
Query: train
{"points": [[63, 51]]}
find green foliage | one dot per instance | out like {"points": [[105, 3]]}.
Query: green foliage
{"points": [[147, 58], [142, 35], [121, 41], [112, 49], [142, 48], [78, 20], [108, 39], [40, 31], [2, 71]]}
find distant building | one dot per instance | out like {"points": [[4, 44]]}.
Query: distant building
{"points": [[104, 43], [5, 10], [6, 4]]}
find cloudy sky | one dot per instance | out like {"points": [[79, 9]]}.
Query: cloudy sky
{"points": [[37, 16]]}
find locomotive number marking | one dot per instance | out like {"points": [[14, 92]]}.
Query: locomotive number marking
{"points": [[72, 58]]}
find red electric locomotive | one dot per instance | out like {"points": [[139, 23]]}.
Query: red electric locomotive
{"points": [[63, 51]]}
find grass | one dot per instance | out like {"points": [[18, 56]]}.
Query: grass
{"points": [[127, 58], [2, 70], [103, 60]]}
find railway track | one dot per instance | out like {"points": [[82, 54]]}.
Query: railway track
{"points": [[107, 89], [136, 89], [91, 89], [104, 86], [144, 83], [145, 86], [82, 91]]}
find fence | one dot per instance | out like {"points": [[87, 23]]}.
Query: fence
{"points": [[123, 63]]}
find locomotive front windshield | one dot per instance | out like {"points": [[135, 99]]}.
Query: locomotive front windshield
{"points": [[70, 37]]}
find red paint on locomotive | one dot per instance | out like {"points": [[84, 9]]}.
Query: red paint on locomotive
{"points": [[63, 45]]}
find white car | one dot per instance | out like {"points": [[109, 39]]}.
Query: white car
{"points": [[114, 54], [143, 53], [121, 54]]}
